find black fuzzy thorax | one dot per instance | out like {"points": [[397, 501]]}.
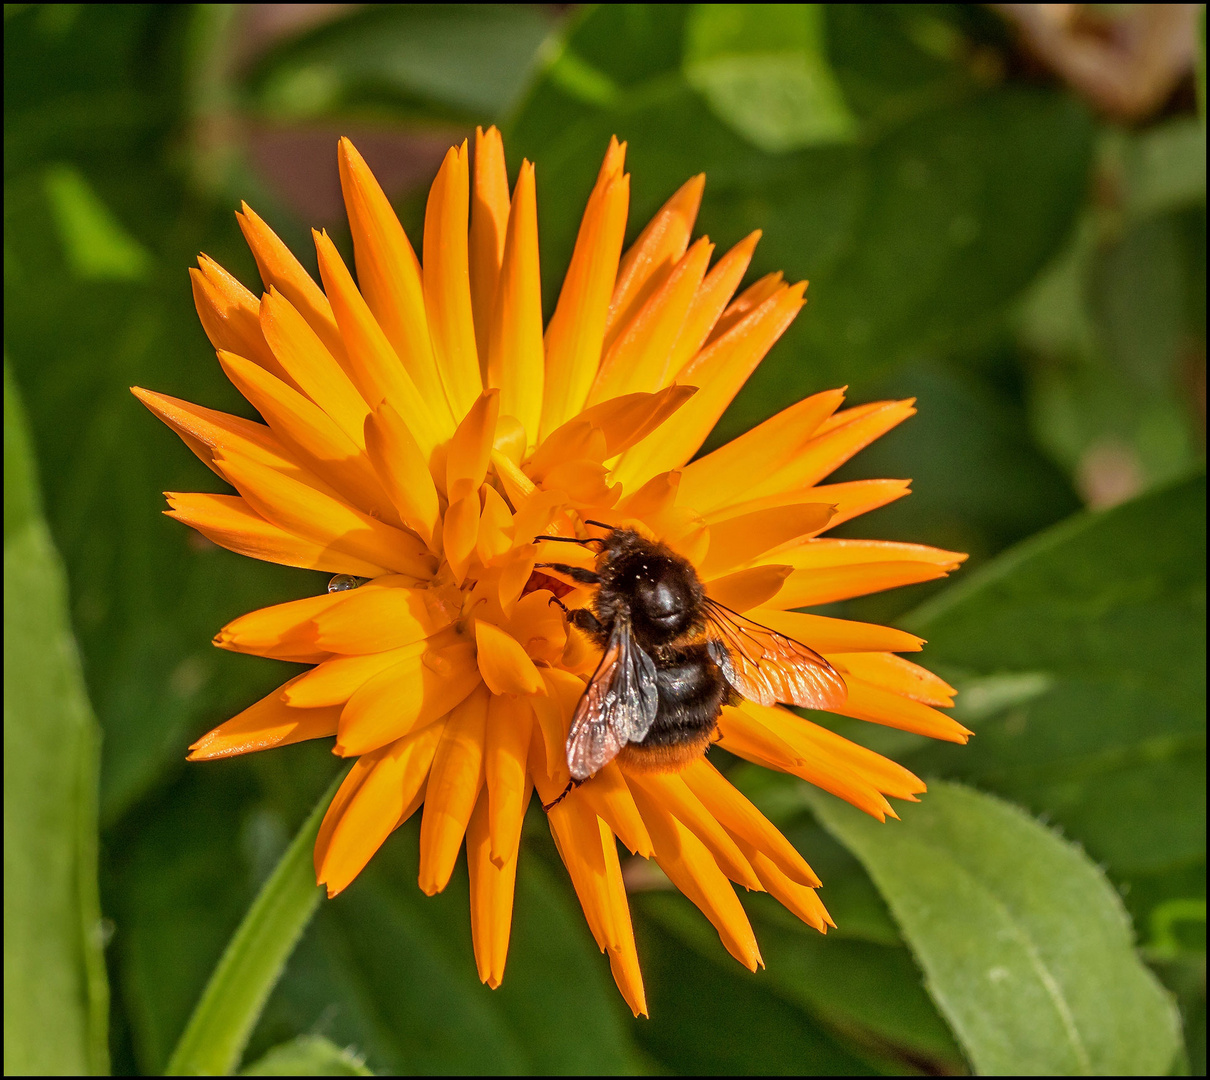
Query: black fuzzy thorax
{"points": [[636, 574]]}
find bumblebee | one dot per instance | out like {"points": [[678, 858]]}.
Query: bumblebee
{"points": [[671, 659]]}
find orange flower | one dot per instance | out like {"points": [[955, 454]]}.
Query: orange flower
{"points": [[421, 428]]}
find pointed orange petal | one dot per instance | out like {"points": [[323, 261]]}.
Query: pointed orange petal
{"points": [[388, 274], [516, 362], [627, 419], [406, 697], [400, 464], [471, 447], [268, 723], [387, 613], [230, 315], [454, 786], [503, 663], [801, 899], [883, 707], [578, 838], [373, 364], [745, 734], [285, 626], [725, 476], [748, 588], [669, 791], [655, 498], [491, 893], [693, 870], [312, 436], [828, 748], [389, 792], [495, 527], [737, 540], [609, 796], [447, 286], [300, 508], [710, 301], [837, 440], [745, 822], [805, 588], [206, 430], [851, 499], [578, 438], [308, 362], [335, 681], [826, 635], [336, 808], [280, 270], [828, 570], [645, 267], [510, 722], [489, 222], [747, 301], [460, 533], [230, 522], [575, 335], [639, 358], [857, 497], [745, 737], [719, 370], [885, 671], [553, 711], [623, 956]]}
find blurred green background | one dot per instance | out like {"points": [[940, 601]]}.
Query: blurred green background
{"points": [[995, 217]]}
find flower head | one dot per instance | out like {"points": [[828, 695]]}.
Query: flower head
{"points": [[421, 428]]}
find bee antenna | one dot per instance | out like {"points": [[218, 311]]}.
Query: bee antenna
{"points": [[562, 539], [598, 524]]}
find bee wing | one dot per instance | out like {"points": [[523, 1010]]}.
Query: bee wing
{"points": [[768, 667], [616, 708]]}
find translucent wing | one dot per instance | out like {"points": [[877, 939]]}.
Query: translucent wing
{"points": [[768, 667], [617, 707]]}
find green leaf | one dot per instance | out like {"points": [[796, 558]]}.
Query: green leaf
{"points": [[472, 60], [233, 999], [56, 997], [764, 71], [308, 1055], [1097, 630], [1025, 947]]}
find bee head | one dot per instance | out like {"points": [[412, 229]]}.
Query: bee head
{"points": [[663, 595]]}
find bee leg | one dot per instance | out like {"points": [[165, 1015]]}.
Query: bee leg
{"points": [[576, 573], [571, 786], [585, 620]]}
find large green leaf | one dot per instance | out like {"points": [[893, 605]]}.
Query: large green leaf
{"points": [[1025, 946], [462, 60], [1081, 657], [55, 992], [764, 70]]}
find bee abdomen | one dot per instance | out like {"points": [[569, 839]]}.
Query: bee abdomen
{"points": [[691, 695]]}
